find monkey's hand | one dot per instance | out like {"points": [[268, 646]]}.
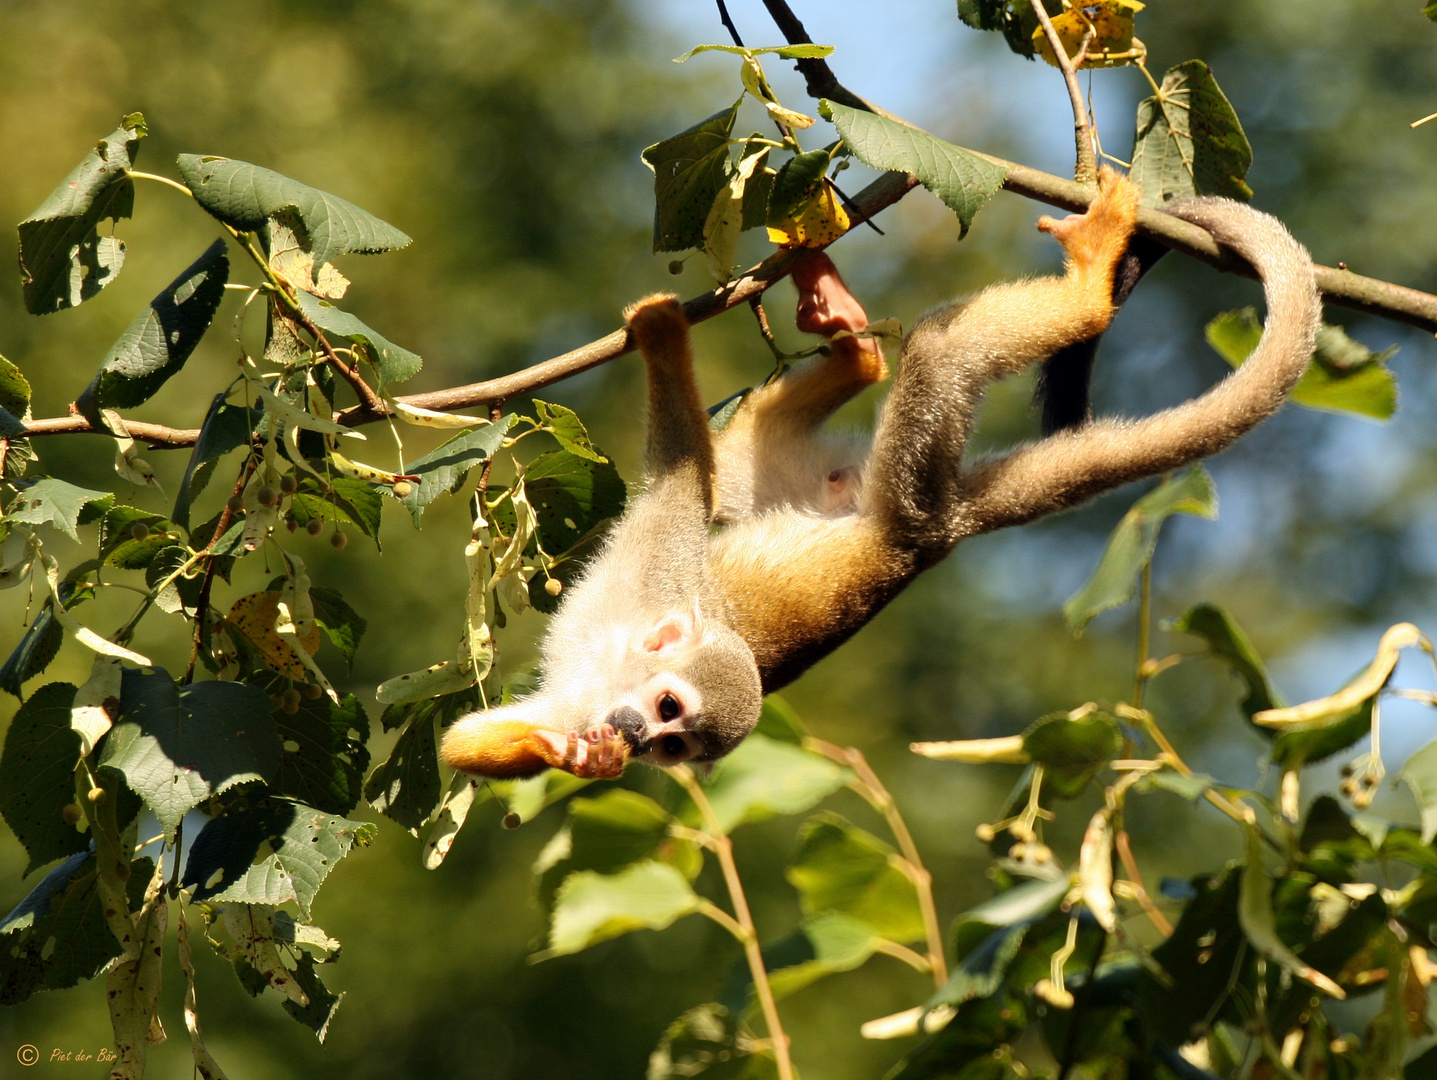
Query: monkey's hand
{"points": [[1096, 240], [597, 754], [825, 306]]}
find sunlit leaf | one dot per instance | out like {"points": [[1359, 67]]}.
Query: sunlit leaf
{"points": [[1131, 545], [255, 616], [1189, 140], [161, 338], [443, 470], [591, 907], [63, 259], [840, 868], [1112, 43], [964, 181], [804, 51], [54, 502], [689, 169], [764, 778], [1419, 773], [821, 945], [610, 832], [391, 363], [323, 1003]]}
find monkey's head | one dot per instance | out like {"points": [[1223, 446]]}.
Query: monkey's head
{"points": [[681, 689]]}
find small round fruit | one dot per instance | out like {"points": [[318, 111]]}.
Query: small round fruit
{"points": [[512, 820], [553, 586], [289, 701], [338, 540], [291, 525], [96, 795], [313, 691], [402, 489], [288, 484], [676, 267], [267, 496], [139, 530], [314, 526], [235, 504], [71, 813]]}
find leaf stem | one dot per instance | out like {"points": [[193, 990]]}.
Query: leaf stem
{"points": [[1145, 612], [723, 849], [1086, 169], [134, 175]]}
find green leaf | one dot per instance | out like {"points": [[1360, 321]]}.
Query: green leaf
{"points": [[58, 934], [226, 427], [570, 496], [1189, 140], [37, 778], [1293, 749], [566, 427], [322, 1003], [405, 786], [706, 1041], [840, 868], [777, 719], [822, 945], [120, 547], [591, 907], [323, 755], [246, 196], [689, 169], [608, 833], [1344, 375], [1072, 750], [1189, 787], [1014, 18], [765, 777], [63, 259], [964, 181], [177, 747], [1430, 10], [54, 502], [1420, 774], [344, 500], [341, 623], [271, 853], [1131, 545], [793, 187], [37, 648], [442, 470], [14, 390], [391, 363], [1259, 923], [158, 342], [1226, 639], [804, 51]]}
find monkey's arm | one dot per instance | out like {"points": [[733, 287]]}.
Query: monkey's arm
{"points": [[1070, 466]]}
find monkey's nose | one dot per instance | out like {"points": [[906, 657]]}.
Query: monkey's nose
{"points": [[629, 723]]}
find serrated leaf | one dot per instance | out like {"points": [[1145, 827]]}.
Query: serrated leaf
{"points": [[270, 853], [391, 363], [570, 496], [805, 51], [53, 502], [120, 547], [343, 500], [591, 907], [568, 430], [1072, 747], [14, 390], [323, 758], [37, 777], [177, 747], [1344, 376], [341, 623], [1227, 640], [226, 427], [160, 339], [247, 196], [443, 470], [689, 169], [1131, 545], [405, 786], [37, 648], [63, 259], [1189, 140], [322, 1002], [840, 868], [255, 617], [964, 181], [58, 934], [763, 778]]}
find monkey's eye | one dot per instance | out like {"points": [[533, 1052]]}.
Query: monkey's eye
{"points": [[673, 745], [669, 707]]}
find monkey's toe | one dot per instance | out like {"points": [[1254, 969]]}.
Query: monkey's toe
{"points": [[655, 319]]}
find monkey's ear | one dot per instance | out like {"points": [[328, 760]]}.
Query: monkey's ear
{"points": [[676, 630], [503, 743]]}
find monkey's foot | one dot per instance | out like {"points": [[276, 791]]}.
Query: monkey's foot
{"points": [[1096, 240], [598, 754], [656, 320]]}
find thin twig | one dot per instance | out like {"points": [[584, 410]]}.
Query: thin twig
{"points": [[1086, 170], [723, 849], [1140, 891], [728, 23]]}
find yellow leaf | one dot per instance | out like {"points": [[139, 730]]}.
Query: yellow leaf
{"points": [[255, 617], [819, 223], [1113, 43]]}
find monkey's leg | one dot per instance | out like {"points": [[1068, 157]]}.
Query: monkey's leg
{"points": [[679, 439], [914, 483]]}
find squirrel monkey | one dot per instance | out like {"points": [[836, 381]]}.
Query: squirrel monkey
{"points": [[662, 652]]}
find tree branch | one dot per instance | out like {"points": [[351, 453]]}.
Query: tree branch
{"points": [[1086, 169]]}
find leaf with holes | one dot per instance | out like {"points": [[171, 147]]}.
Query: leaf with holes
{"points": [[405, 786], [1189, 140], [53, 502], [64, 261], [270, 853], [323, 758], [442, 471], [391, 363], [247, 196], [689, 170], [176, 747], [964, 181]]}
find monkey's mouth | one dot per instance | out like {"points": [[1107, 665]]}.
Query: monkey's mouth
{"points": [[630, 723]]}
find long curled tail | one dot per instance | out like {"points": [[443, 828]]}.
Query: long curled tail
{"points": [[1071, 466]]}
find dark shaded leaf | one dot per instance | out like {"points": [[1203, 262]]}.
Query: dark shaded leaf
{"points": [[37, 648], [391, 363], [226, 427], [1072, 750], [964, 181], [270, 853], [122, 548], [1228, 642], [322, 1003], [1189, 140], [405, 786], [37, 776], [156, 345], [571, 495], [706, 1041], [247, 196], [63, 259], [324, 757], [177, 746], [345, 500], [442, 470], [689, 169]]}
